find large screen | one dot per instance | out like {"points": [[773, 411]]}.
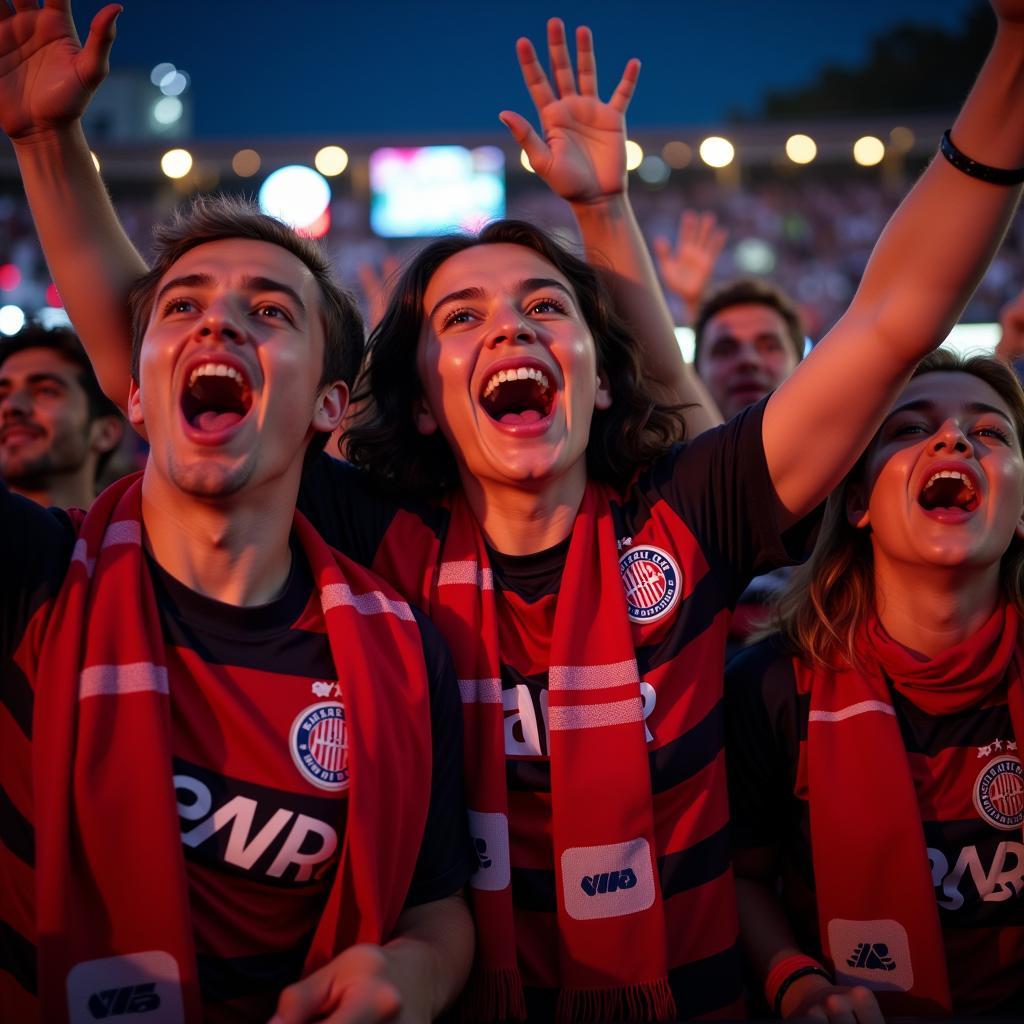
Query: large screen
{"points": [[431, 190]]}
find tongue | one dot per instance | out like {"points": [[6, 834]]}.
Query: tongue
{"points": [[519, 418], [211, 421]]}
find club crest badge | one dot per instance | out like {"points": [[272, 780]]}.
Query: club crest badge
{"points": [[318, 743], [999, 793], [650, 579]]}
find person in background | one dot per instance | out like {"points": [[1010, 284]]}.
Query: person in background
{"points": [[57, 429], [687, 268]]}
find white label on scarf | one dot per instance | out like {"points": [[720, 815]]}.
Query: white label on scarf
{"points": [[607, 881], [871, 953], [146, 986], [490, 837]]}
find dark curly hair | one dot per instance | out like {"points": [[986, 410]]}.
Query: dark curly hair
{"points": [[385, 441]]}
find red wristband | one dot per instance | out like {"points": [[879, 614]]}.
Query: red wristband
{"points": [[784, 970]]}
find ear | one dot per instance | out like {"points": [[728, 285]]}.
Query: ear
{"points": [[105, 433], [426, 422], [1019, 531], [135, 417], [330, 408], [857, 499], [603, 398]]}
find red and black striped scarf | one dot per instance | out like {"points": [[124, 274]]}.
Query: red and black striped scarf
{"points": [[876, 903], [612, 935], [112, 898]]}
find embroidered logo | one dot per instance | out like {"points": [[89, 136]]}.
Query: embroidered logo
{"points": [[999, 793], [871, 953], [489, 830], [325, 689], [137, 986], [872, 956], [319, 745], [650, 578], [607, 881]]}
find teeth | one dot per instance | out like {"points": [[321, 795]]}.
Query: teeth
{"points": [[519, 373], [950, 474], [215, 370]]}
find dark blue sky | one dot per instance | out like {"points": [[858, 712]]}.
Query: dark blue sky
{"points": [[312, 67]]}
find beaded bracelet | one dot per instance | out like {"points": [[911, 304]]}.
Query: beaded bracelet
{"points": [[983, 172]]}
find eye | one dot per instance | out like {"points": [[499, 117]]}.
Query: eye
{"points": [[994, 432], [909, 429], [272, 311], [178, 306], [548, 306], [456, 316], [47, 391]]}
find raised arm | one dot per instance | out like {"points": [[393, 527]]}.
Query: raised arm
{"points": [[923, 269], [46, 81], [582, 158]]}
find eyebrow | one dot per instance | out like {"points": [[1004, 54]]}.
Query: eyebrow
{"points": [[249, 284], [926, 405], [38, 378], [530, 284]]}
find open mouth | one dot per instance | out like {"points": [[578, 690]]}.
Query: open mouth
{"points": [[949, 489], [518, 395], [216, 398]]}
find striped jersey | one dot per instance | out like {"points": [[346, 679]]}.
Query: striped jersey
{"points": [[691, 531], [259, 769], [967, 776]]}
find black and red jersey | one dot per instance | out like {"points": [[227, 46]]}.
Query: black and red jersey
{"points": [[691, 531], [259, 768], [972, 828]]}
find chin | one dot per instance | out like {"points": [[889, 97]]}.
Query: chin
{"points": [[208, 479]]}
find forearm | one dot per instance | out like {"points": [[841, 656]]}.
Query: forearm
{"points": [[615, 246], [431, 954], [92, 261], [768, 939], [940, 241]]}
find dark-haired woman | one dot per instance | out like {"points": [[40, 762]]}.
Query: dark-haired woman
{"points": [[873, 743], [582, 567]]}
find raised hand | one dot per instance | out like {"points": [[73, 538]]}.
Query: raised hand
{"points": [[687, 269], [582, 156], [46, 75]]}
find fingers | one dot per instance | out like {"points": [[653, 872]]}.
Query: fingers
{"points": [[368, 1005], [26, 5], [537, 83], [626, 87], [586, 66], [662, 249], [865, 1005], [537, 151], [558, 55], [95, 57]]}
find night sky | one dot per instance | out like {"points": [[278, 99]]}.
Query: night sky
{"points": [[314, 67]]}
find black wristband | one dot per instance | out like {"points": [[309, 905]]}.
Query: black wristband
{"points": [[800, 972], [983, 172]]}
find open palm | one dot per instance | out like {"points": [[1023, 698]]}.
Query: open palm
{"points": [[46, 75], [582, 155]]}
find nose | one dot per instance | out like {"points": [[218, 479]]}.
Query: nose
{"points": [[949, 437], [220, 320], [15, 404], [511, 325]]}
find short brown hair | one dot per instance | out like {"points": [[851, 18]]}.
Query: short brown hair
{"points": [[217, 218], [744, 291], [385, 440], [828, 598]]}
